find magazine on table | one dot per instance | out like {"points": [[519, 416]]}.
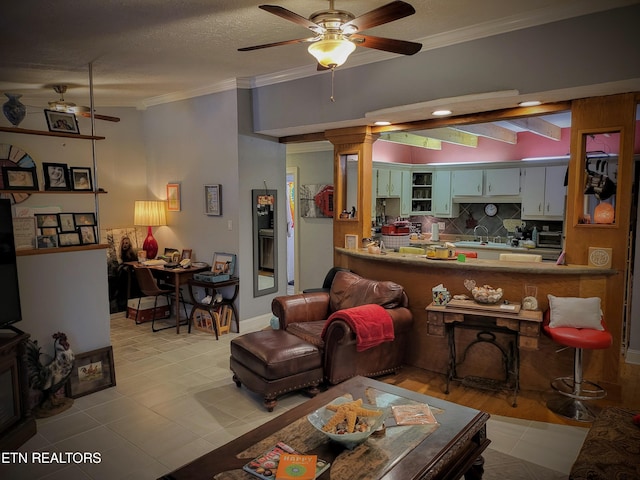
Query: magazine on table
{"points": [[265, 466]]}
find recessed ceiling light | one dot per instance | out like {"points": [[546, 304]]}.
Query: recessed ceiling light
{"points": [[441, 113], [382, 123], [530, 103]]}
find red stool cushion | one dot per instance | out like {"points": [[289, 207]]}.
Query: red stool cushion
{"points": [[578, 337]]}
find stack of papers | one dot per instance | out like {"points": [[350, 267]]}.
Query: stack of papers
{"points": [[152, 263]]}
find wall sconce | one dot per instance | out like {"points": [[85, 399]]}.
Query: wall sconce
{"points": [[150, 214]]}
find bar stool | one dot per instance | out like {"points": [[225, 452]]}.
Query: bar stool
{"points": [[576, 390]]}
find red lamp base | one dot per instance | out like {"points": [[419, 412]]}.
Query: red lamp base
{"points": [[150, 245]]}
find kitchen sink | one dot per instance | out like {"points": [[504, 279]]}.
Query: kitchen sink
{"points": [[479, 244]]}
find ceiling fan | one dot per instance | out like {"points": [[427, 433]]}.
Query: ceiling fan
{"points": [[62, 105], [336, 32]]}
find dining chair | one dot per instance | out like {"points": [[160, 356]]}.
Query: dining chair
{"points": [[150, 288]]}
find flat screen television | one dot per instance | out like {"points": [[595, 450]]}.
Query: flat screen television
{"points": [[10, 311]]}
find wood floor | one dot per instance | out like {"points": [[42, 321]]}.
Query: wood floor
{"points": [[530, 406]]}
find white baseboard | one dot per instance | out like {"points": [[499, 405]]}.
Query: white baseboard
{"points": [[633, 357]]}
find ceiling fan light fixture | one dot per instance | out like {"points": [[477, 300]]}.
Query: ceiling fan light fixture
{"points": [[332, 52]]}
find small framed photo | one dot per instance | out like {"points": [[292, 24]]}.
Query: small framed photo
{"points": [[69, 239], [173, 197], [92, 371], [49, 231], [223, 263], [351, 242], [44, 220], [87, 235], [81, 219], [81, 178], [61, 122], [47, 241], [66, 223], [213, 199], [24, 232], [16, 178], [186, 254], [56, 176]]}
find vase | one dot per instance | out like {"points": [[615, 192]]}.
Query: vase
{"points": [[13, 109]]}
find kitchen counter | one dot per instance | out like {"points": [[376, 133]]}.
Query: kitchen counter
{"points": [[429, 350], [477, 265]]}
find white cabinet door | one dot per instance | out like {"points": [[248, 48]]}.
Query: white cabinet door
{"points": [[555, 191], [502, 181], [395, 183], [374, 192], [543, 192], [405, 195], [389, 183], [467, 183], [533, 180], [382, 186], [443, 205]]}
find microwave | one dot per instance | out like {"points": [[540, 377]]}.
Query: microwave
{"points": [[550, 239]]}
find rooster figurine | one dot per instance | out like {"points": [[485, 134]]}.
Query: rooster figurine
{"points": [[48, 374]]}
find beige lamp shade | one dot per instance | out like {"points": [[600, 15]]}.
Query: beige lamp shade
{"points": [[332, 52], [150, 213]]}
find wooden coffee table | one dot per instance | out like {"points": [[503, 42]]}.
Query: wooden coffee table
{"points": [[445, 451]]}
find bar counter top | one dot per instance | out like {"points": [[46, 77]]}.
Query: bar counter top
{"points": [[472, 264]]}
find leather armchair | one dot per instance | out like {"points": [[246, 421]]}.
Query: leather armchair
{"points": [[305, 314]]}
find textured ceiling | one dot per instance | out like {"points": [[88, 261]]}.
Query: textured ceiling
{"points": [[145, 52]]}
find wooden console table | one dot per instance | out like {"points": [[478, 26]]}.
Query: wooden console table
{"points": [[523, 325]]}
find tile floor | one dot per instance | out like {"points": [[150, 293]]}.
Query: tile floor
{"points": [[175, 401]]}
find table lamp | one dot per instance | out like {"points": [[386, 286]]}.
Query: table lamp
{"points": [[150, 214]]}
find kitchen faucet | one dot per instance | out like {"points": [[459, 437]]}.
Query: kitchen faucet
{"points": [[475, 232]]}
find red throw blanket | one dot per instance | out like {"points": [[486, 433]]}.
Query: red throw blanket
{"points": [[371, 323]]}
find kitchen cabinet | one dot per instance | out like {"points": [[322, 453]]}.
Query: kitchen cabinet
{"points": [[406, 193], [374, 186], [466, 183], [475, 182], [543, 192], [421, 192], [389, 183], [443, 205], [502, 181]]}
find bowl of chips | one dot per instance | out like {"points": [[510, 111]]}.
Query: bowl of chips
{"points": [[486, 294], [348, 422]]}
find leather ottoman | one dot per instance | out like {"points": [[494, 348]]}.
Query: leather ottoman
{"points": [[273, 362]]}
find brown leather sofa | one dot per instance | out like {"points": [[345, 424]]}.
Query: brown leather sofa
{"points": [[304, 316]]}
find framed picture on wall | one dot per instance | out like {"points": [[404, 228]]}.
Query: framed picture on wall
{"points": [[56, 176], [213, 199], [61, 122], [173, 197]]}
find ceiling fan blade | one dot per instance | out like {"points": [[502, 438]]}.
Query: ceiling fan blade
{"points": [[99, 117], [392, 45], [276, 44], [384, 14], [289, 15]]}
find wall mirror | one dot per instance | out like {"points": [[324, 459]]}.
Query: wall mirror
{"points": [[600, 177], [265, 243], [349, 167]]}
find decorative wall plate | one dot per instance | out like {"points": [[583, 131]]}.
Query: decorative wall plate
{"points": [[529, 303], [12, 156]]}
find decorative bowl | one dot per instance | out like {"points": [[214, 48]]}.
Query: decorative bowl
{"points": [[349, 440], [486, 294]]}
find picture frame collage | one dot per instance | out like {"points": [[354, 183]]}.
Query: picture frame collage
{"points": [[53, 230], [57, 177]]}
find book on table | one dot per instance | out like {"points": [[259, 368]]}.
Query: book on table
{"points": [[266, 466]]}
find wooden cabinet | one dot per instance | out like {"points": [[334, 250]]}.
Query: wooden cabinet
{"points": [[389, 183], [502, 181], [466, 183], [421, 192], [443, 205], [543, 192]]}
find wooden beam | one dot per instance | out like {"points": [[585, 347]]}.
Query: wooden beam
{"points": [[450, 135], [489, 130], [539, 127], [412, 139]]}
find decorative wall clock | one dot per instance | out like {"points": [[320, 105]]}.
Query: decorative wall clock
{"points": [[491, 209], [12, 156]]}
